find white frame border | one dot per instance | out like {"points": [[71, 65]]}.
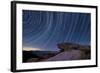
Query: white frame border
{"points": [[35, 65]]}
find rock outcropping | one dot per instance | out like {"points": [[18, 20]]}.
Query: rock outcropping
{"points": [[85, 49]]}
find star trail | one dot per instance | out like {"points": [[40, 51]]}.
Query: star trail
{"points": [[45, 29]]}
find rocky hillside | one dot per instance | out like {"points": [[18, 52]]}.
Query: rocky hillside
{"points": [[85, 49]]}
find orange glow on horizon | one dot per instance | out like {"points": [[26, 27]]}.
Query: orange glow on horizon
{"points": [[31, 49]]}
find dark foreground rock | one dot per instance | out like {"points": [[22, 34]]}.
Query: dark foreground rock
{"points": [[36, 56]]}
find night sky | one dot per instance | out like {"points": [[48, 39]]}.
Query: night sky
{"points": [[43, 30]]}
